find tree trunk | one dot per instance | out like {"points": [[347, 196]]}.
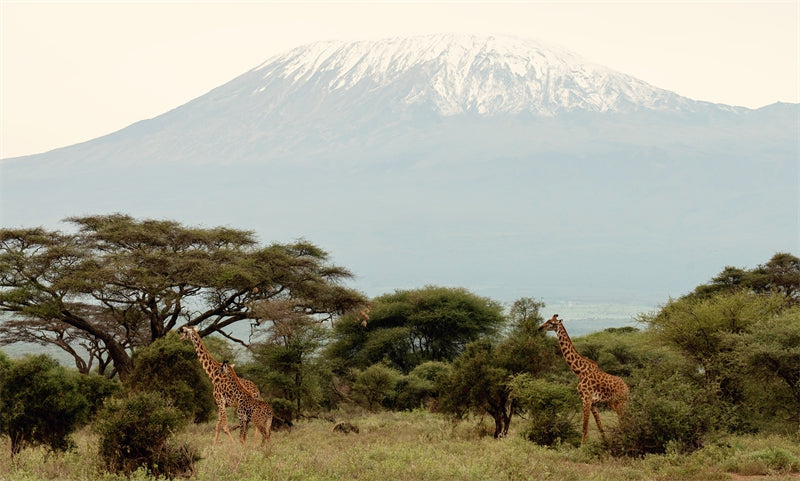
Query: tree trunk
{"points": [[122, 361], [498, 423]]}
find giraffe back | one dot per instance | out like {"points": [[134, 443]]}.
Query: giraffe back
{"points": [[249, 409]]}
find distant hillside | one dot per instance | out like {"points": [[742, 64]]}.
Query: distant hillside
{"points": [[502, 165]]}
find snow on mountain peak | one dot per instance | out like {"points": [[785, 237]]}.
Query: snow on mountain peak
{"points": [[455, 74]]}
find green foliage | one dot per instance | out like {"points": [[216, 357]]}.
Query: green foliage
{"points": [[376, 385], [767, 355], [670, 413], [288, 363], [120, 283], [136, 431], [422, 386], [221, 349], [5, 365], [97, 389], [409, 327], [170, 367], [40, 403], [478, 385], [413, 392], [618, 351], [550, 408], [524, 349], [525, 315], [736, 341], [781, 275]]}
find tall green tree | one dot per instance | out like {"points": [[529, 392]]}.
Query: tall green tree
{"points": [[123, 283], [287, 360], [409, 327]]}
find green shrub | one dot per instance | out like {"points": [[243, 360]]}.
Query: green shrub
{"points": [[40, 404], [375, 385], [5, 364], [413, 392], [421, 386], [551, 409], [135, 432], [664, 415], [97, 389], [170, 367]]}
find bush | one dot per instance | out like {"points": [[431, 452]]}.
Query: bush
{"points": [[664, 415], [551, 409], [413, 392], [40, 403], [135, 431], [376, 385], [5, 364], [97, 389], [169, 366]]}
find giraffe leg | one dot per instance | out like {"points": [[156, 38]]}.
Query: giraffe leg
{"points": [[255, 434], [243, 432], [222, 420], [599, 424], [586, 409], [266, 434]]}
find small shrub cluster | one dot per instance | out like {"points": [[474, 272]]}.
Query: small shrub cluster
{"points": [[40, 403], [550, 409], [135, 431], [667, 415], [169, 366]]}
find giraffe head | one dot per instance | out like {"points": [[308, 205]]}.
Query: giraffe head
{"points": [[551, 324], [226, 370], [188, 332]]}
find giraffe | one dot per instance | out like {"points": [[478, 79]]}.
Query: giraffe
{"points": [[594, 385], [248, 408], [223, 392]]}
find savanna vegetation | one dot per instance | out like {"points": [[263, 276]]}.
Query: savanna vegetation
{"points": [[432, 383]]}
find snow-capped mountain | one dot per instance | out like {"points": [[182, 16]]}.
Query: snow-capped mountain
{"points": [[499, 164], [456, 74]]}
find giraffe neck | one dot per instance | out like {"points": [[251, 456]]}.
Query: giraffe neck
{"points": [[237, 382], [576, 362], [210, 366]]}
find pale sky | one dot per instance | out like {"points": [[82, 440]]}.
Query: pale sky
{"points": [[74, 71]]}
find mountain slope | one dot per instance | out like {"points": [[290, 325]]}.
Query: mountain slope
{"points": [[502, 165]]}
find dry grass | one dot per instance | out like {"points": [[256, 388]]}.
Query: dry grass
{"points": [[416, 446]]}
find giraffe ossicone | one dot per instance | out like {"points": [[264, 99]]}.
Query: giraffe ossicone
{"points": [[594, 385]]}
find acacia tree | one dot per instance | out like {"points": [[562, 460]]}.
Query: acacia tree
{"points": [[122, 282], [87, 351], [781, 274], [287, 358], [409, 327]]}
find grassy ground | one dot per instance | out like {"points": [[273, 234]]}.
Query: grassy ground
{"points": [[421, 446]]}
